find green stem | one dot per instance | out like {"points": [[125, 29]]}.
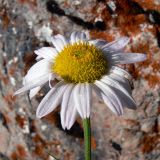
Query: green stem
{"points": [[87, 138]]}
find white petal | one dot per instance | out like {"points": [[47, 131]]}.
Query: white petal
{"points": [[40, 69], [73, 37], [71, 116], [65, 105], [111, 96], [59, 42], [122, 93], [48, 53], [34, 83], [38, 58], [71, 112], [34, 91], [109, 58], [82, 99], [117, 45], [77, 36], [80, 36], [51, 100], [62, 38], [77, 98], [127, 58]]}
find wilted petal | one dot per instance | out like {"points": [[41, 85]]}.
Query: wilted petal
{"points": [[106, 99], [126, 102], [51, 100], [124, 96], [109, 96], [122, 73], [116, 45], [112, 82]]}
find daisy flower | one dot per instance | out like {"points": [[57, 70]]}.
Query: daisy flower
{"points": [[82, 65]]}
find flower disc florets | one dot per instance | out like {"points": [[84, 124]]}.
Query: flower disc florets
{"points": [[80, 63]]}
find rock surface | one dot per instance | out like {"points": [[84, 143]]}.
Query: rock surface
{"points": [[26, 25]]}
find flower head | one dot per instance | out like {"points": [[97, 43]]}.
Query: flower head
{"points": [[80, 62], [82, 65]]}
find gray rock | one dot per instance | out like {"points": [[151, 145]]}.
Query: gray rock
{"points": [[148, 125], [26, 25]]}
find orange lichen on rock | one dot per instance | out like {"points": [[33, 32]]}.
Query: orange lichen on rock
{"points": [[14, 156], [39, 151], [130, 24], [9, 99], [131, 20], [149, 143], [101, 35], [5, 19], [153, 80], [19, 154], [21, 151], [93, 143]]}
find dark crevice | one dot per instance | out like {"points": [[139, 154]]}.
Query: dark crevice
{"points": [[135, 8], [3, 157], [158, 38], [54, 8], [116, 146], [4, 121], [153, 16], [81, 22], [101, 0], [100, 25]]}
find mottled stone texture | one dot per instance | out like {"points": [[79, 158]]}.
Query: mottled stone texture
{"points": [[26, 25]]}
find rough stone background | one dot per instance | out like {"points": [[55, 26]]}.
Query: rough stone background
{"points": [[26, 25]]}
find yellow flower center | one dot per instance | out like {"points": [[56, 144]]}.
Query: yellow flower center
{"points": [[79, 63]]}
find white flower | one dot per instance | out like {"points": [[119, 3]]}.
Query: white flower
{"points": [[83, 65]]}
